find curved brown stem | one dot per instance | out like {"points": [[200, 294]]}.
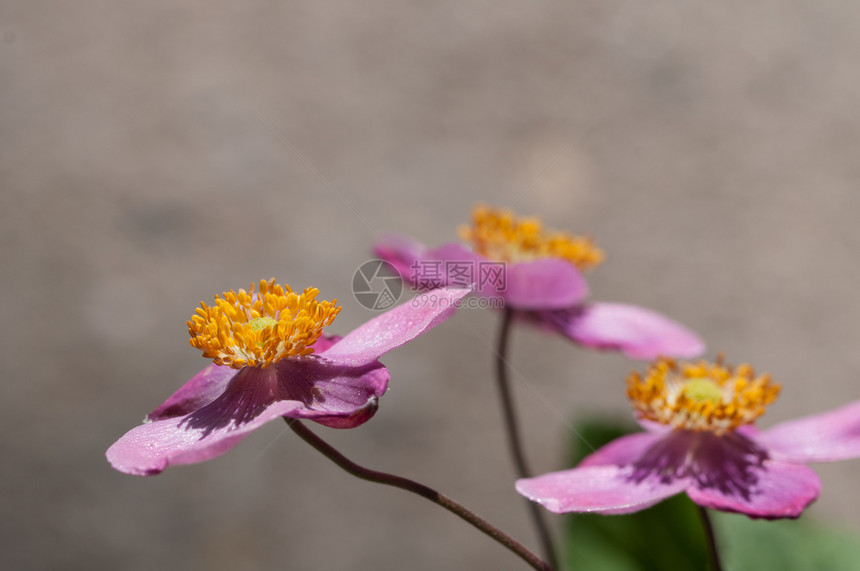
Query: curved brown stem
{"points": [[416, 488]]}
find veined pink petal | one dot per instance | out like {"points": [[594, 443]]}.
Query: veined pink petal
{"points": [[402, 252], [200, 390], [776, 490], [150, 448], [549, 283], [365, 344], [249, 401], [621, 451], [603, 489], [824, 437], [332, 395], [730, 473], [735, 473], [209, 384], [637, 332]]}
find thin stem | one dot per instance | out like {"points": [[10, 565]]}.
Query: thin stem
{"points": [[411, 486], [514, 440], [707, 526]]}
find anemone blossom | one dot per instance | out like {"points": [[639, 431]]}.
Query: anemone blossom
{"points": [[538, 274], [271, 360], [700, 439]]}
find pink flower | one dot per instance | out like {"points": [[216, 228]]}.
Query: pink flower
{"points": [[271, 360], [541, 280], [700, 440]]}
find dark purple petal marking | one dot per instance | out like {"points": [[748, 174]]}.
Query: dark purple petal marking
{"points": [[247, 395]]}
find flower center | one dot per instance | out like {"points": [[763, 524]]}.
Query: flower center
{"points": [[259, 323], [499, 235], [257, 329], [702, 390], [701, 396]]}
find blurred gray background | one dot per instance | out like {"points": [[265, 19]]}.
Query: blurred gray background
{"points": [[154, 154]]}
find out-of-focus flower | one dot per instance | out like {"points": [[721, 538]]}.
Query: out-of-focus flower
{"points": [[700, 439], [538, 274], [271, 360]]}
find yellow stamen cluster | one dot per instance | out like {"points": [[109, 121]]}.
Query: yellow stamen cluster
{"points": [[701, 396], [499, 235], [257, 329]]}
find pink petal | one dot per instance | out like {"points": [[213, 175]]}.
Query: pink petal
{"points": [[603, 489], [454, 252], [453, 255], [150, 448], [735, 473], [402, 252], [621, 451], [324, 342], [637, 332], [249, 401], [209, 384], [778, 490], [333, 395], [549, 283], [832, 435], [653, 426], [203, 388], [365, 344], [336, 396]]}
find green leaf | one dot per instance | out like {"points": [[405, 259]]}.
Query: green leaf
{"points": [[783, 545]]}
